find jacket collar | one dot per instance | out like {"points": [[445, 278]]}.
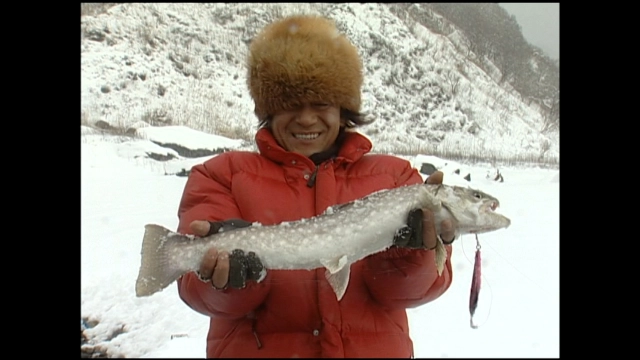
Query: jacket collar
{"points": [[354, 146]]}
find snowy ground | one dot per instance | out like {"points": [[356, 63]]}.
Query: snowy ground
{"points": [[121, 191]]}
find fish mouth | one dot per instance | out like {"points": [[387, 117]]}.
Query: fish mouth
{"points": [[491, 206]]}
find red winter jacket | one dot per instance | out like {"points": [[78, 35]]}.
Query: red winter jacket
{"points": [[296, 313]]}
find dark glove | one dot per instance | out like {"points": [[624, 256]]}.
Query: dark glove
{"points": [[241, 267], [410, 236], [244, 267]]}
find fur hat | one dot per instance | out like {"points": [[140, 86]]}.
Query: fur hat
{"points": [[303, 58]]}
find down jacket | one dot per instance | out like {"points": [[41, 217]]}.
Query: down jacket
{"points": [[296, 313]]}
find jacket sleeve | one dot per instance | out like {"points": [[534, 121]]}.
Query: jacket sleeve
{"points": [[403, 277], [207, 196]]}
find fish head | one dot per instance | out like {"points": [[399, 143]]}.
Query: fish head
{"points": [[474, 211]]}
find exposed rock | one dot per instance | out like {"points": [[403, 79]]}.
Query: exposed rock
{"points": [[427, 169], [191, 153], [160, 157]]}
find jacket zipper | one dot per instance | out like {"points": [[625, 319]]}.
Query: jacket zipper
{"points": [[255, 333], [312, 179]]}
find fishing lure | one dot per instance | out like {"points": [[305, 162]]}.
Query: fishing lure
{"points": [[475, 284]]}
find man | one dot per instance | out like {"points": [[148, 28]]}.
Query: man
{"points": [[305, 79]]}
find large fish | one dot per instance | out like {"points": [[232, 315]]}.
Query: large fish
{"points": [[342, 235]]}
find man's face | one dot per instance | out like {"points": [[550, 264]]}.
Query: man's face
{"points": [[308, 129]]}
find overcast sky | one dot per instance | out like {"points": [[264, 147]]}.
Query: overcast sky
{"points": [[540, 24]]}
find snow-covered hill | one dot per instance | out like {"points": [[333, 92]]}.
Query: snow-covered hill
{"points": [[183, 64]]}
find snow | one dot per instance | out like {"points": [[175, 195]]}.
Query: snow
{"points": [[184, 64], [197, 139], [122, 190]]}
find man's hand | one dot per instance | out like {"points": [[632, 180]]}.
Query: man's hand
{"points": [[220, 267], [420, 231], [215, 265]]}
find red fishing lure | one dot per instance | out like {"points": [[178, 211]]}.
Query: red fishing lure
{"points": [[475, 284]]}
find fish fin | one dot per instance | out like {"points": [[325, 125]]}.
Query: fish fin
{"points": [[339, 280], [156, 271], [335, 265], [441, 256]]}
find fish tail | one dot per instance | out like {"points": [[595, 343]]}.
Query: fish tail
{"points": [[156, 271]]}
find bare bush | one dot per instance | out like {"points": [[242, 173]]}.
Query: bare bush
{"points": [[93, 9], [545, 146], [84, 118], [157, 117], [453, 81]]}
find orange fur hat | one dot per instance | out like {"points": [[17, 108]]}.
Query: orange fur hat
{"points": [[303, 58]]}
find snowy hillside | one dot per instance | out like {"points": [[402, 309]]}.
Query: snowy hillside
{"points": [[183, 64]]}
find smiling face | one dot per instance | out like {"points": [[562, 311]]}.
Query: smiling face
{"points": [[308, 129]]}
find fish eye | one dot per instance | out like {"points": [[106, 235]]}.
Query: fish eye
{"points": [[477, 195]]}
